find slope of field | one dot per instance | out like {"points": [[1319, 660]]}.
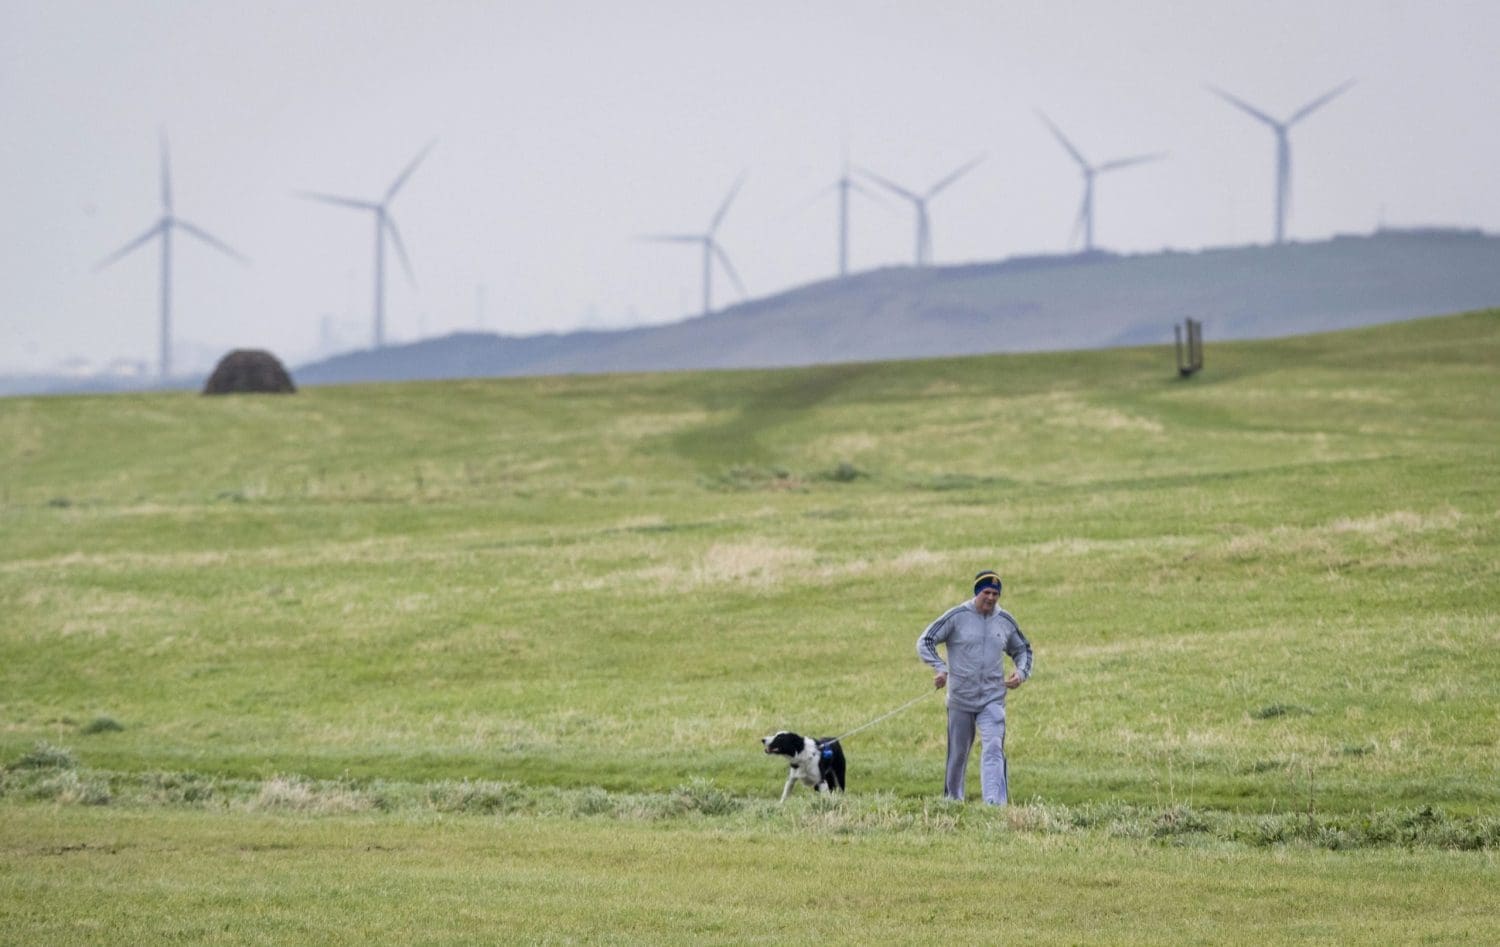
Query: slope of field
{"points": [[1019, 305], [550, 618]]}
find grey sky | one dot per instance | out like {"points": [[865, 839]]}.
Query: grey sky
{"points": [[565, 129]]}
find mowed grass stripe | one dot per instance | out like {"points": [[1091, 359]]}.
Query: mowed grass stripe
{"points": [[88, 875]]}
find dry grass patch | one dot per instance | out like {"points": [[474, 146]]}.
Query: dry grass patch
{"points": [[1065, 409], [757, 564], [297, 794]]}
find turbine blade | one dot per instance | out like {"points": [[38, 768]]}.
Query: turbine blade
{"points": [[724, 207], [723, 259], [859, 188], [670, 237], [954, 176], [1245, 106], [390, 225], [817, 196], [156, 228], [889, 185], [1319, 102], [211, 240], [166, 175], [1079, 222], [1063, 140], [1119, 163], [340, 201], [401, 179]]}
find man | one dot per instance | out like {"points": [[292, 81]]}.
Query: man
{"points": [[977, 635]]}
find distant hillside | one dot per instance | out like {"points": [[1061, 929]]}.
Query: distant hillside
{"points": [[1024, 304]]}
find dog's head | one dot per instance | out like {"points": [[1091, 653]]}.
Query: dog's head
{"points": [[784, 743]]}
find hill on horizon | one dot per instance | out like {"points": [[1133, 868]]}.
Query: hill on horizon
{"points": [[1081, 301], [1022, 304]]}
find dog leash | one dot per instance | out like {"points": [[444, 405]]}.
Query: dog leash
{"points": [[872, 723]]}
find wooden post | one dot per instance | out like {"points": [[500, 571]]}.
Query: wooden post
{"points": [[1189, 360]]}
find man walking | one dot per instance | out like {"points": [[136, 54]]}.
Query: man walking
{"points": [[977, 635]]}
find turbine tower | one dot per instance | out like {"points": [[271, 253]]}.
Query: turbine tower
{"points": [[919, 202], [1283, 144], [711, 248], [844, 185], [384, 224], [163, 228], [1086, 211]]}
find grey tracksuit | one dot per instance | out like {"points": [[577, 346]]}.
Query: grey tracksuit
{"points": [[976, 646]]}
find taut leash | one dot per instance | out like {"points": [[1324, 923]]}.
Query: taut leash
{"points": [[823, 743]]}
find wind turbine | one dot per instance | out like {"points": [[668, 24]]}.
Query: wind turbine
{"points": [[919, 202], [384, 224], [1283, 144], [844, 185], [711, 248], [163, 228], [1086, 211]]}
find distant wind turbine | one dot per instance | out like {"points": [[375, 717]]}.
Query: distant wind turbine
{"points": [[844, 185], [1086, 211], [711, 248], [163, 228], [1283, 144], [919, 202], [384, 224]]}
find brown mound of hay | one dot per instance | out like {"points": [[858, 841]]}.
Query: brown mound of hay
{"points": [[249, 370]]}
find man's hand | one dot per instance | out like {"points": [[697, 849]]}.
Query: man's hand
{"points": [[940, 680], [1014, 680]]}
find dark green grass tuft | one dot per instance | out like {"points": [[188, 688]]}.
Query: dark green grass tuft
{"points": [[45, 755], [102, 725]]}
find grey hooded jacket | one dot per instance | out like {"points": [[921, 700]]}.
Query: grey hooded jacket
{"points": [[975, 646]]}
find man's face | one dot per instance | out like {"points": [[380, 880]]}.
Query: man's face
{"points": [[986, 599]]}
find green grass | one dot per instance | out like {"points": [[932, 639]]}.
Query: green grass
{"points": [[462, 619], [173, 876]]}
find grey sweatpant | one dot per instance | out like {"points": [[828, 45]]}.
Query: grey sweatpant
{"points": [[993, 775]]}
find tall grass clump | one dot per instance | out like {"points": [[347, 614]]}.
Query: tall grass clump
{"points": [[45, 755]]}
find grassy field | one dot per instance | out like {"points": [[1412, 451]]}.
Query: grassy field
{"points": [[490, 659]]}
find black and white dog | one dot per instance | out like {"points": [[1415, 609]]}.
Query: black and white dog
{"points": [[817, 764]]}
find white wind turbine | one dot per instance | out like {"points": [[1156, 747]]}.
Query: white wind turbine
{"points": [[919, 203], [1283, 144], [163, 228], [1086, 211], [384, 224], [711, 248], [844, 185]]}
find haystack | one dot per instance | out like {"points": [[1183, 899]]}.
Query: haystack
{"points": [[249, 370]]}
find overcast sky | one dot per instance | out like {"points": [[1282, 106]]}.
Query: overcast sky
{"points": [[566, 128]]}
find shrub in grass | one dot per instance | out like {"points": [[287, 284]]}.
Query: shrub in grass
{"points": [[178, 788], [1272, 711], [1043, 820], [1429, 826], [102, 725], [299, 794], [1179, 820], [593, 801], [476, 796], [46, 756], [844, 472], [68, 787], [1099, 815], [1334, 839], [702, 796]]}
